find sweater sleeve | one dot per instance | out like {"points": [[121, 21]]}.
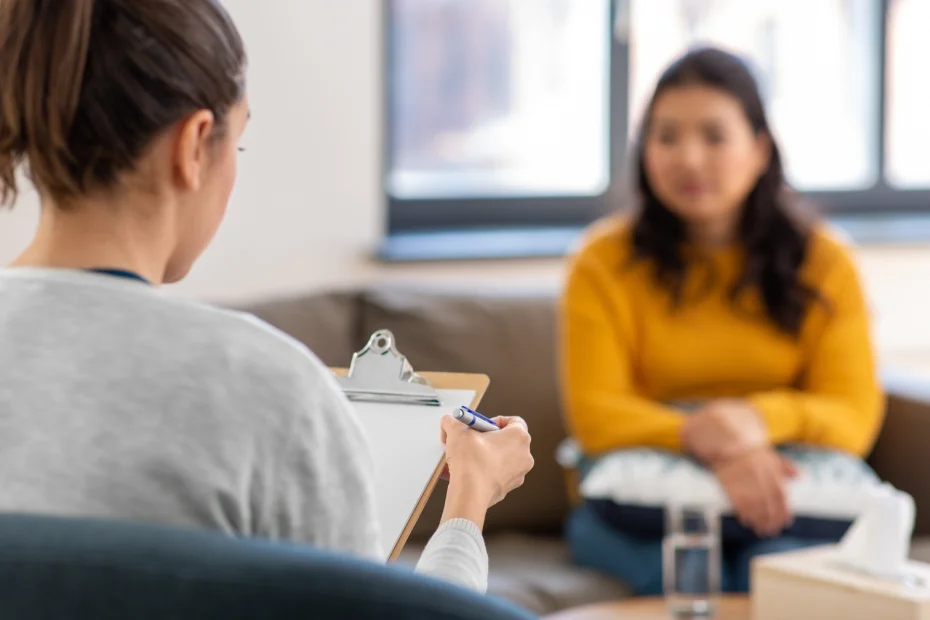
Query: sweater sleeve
{"points": [[838, 400], [605, 410], [456, 553]]}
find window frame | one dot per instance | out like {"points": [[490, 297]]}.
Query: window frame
{"points": [[443, 214]]}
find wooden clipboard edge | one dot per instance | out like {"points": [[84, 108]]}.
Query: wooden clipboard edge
{"points": [[441, 381]]}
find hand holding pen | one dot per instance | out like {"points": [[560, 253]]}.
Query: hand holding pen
{"points": [[485, 465]]}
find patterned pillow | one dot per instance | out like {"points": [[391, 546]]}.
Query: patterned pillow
{"points": [[830, 484]]}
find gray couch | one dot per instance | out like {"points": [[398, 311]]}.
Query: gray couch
{"points": [[511, 337]]}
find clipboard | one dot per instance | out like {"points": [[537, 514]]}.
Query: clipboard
{"points": [[379, 376]]}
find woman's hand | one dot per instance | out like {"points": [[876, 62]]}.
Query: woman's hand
{"points": [[483, 467], [755, 483], [722, 430]]}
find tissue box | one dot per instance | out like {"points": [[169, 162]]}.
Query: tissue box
{"points": [[810, 584]]}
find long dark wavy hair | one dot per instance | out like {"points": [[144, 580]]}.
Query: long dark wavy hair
{"points": [[773, 235]]}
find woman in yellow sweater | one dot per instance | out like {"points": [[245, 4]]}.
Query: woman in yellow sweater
{"points": [[717, 294]]}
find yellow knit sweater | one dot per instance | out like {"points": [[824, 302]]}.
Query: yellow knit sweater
{"points": [[628, 356]]}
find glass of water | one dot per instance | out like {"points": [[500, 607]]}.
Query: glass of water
{"points": [[691, 561]]}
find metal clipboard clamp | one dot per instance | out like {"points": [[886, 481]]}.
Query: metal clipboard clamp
{"points": [[379, 373]]}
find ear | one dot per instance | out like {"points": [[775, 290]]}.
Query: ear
{"points": [[192, 148]]}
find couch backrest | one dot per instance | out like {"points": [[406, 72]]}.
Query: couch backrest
{"points": [[510, 336], [328, 324]]}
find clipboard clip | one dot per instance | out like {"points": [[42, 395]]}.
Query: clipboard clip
{"points": [[379, 373]]}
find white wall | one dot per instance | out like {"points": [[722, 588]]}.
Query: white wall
{"points": [[16, 226]]}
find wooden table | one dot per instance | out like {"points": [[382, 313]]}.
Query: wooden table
{"points": [[728, 608]]}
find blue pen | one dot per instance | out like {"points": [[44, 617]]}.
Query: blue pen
{"points": [[474, 419]]}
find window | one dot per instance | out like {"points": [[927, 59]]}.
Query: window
{"points": [[518, 112], [482, 91]]}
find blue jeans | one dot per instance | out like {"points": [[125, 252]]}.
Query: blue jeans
{"points": [[637, 561]]}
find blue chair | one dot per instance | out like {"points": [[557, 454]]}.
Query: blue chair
{"points": [[61, 568]]}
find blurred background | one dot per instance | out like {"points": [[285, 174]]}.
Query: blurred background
{"points": [[468, 142]]}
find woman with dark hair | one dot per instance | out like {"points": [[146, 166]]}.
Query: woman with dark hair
{"points": [[715, 323], [119, 401]]}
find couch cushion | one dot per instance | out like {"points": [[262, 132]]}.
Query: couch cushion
{"points": [[327, 323], [509, 336], [537, 574]]}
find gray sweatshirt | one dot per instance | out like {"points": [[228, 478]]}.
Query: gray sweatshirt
{"points": [[118, 400]]}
